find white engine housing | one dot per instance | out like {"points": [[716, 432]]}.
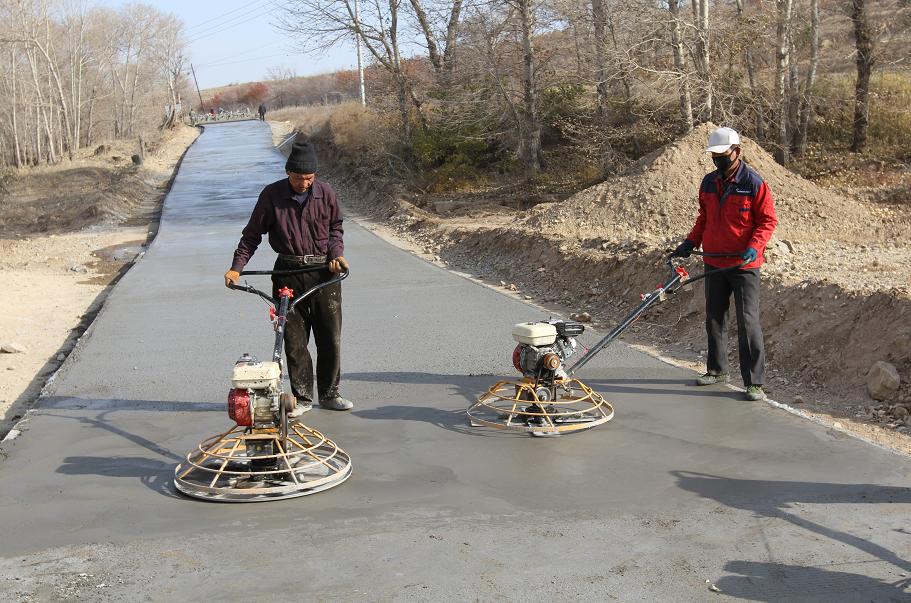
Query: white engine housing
{"points": [[256, 375], [535, 333]]}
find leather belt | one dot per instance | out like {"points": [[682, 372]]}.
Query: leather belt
{"points": [[303, 259]]}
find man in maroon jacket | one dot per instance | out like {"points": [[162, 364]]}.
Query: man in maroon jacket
{"points": [[302, 218], [736, 217]]}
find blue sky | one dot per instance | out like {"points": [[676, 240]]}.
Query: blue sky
{"points": [[236, 41]]}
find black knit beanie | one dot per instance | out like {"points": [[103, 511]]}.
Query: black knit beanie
{"points": [[302, 159]]}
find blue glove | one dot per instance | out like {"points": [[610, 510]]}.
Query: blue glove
{"points": [[749, 256], [683, 249]]}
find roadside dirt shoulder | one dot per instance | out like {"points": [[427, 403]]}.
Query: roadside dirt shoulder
{"points": [[69, 233], [833, 303]]}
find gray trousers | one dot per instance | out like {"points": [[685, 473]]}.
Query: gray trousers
{"points": [[744, 285]]}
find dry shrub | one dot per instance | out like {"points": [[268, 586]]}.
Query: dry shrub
{"points": [[890, 112], [361, 133], [360, 137], [308, 120]]}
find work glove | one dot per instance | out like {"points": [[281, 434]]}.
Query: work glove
{"points": [[231, 277], [339, 264], [749, 256], [683, 249]]}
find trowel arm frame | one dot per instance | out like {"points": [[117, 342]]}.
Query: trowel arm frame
{"points": [[679, 279], [284, 305]]}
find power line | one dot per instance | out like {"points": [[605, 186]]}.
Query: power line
{"points": [[269, 56], [222, 16], [234, 22], [238, 54]]}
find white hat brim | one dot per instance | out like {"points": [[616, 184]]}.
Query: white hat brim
{"points": [[718, 148]]}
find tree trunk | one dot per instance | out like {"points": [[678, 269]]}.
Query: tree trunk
{"points": [[800, 139], [14, 107], [621, 64], [686, 101], [751, 75], [88, 131], [54, 76], [530, 145], [398, 73], [33, 63], [433, 51], [599, 18], [702, 52], [793, 90], [863, 37], [452, 32], [781, 76], [132, 106]]}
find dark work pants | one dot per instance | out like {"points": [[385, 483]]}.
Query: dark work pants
{"points": [[744, 285], [321, 313]]}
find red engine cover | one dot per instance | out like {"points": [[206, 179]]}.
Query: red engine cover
{"points": [[515, 358], [239, 407]]}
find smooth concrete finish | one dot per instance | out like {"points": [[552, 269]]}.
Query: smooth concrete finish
{"points": [[686, 485]]}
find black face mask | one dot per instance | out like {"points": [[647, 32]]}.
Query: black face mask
{"points": [[723, 163]]}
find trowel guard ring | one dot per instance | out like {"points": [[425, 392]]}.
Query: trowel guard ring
{"points": [[516, 406]]}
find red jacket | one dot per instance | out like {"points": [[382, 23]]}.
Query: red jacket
{"points": [[733, 215]]}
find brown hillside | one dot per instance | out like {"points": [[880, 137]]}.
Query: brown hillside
{"points": [[655, 199]]}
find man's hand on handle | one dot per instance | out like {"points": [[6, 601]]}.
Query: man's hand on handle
{"points": [[749, 256], [336, 266], [683, 249], [231, 277]]}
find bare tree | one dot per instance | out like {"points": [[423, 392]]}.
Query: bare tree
{"points": [[865, 60], [686, 102], [67, 70], [781, 74], [320, 24], [441, 61], [805, 107], [701, 8], [599, 19]]}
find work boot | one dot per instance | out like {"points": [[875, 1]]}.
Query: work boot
{"points": [[754, 393], [301, 407], [712, 378], [336, 403]]}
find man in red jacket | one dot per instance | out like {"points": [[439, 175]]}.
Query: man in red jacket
{"points": [[737, 218]]}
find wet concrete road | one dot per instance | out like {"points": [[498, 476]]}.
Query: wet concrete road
{"points": [[685, 485]]}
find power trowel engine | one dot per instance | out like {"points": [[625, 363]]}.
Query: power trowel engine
{"points": [[543, 350], [255, 402]]}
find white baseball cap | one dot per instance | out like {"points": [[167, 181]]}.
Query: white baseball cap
{"points": [[722, 139]]}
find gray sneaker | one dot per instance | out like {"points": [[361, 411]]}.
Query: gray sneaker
{"points": [[754, 393], [712, 379], [302, 407], [336, 403]]}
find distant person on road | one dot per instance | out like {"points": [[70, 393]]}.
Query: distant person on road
{"points": [[301, 216], [736, 217], [262, 112]]}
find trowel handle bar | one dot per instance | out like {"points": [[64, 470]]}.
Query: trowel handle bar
{"points": [[678, 279], [298, 298], [692, 279], [336, 279], [312, 268]]}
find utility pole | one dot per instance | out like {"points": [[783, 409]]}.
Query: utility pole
{"points": [[357, 38], [193, 71]]}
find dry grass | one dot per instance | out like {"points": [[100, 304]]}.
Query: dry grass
{"points": [[362, 137]]}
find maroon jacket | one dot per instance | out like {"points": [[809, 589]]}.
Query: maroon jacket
{"points": [[311, 228]]}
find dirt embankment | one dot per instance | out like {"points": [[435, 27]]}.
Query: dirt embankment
{"points": [[67, 232], [836, 286]]}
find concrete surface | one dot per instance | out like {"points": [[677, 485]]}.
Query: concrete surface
{"points": [[684, 489]]}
